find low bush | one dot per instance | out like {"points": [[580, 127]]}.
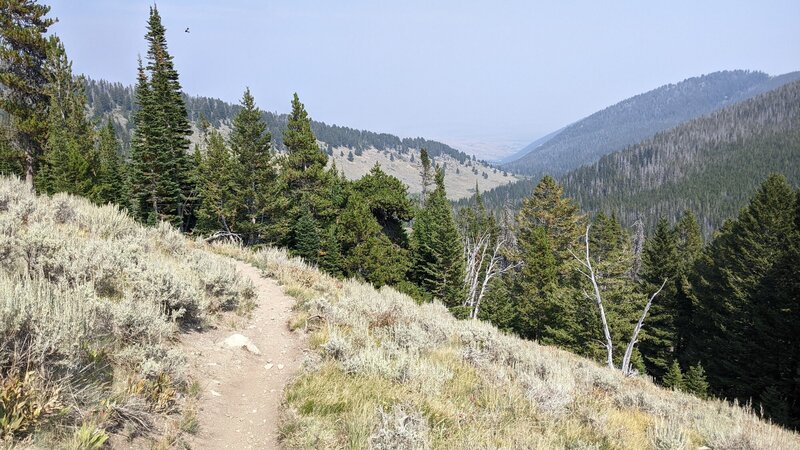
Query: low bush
{"points": [[90, 304]]}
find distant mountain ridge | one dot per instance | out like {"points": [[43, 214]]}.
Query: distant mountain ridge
{"points": [[710, 165], [640, 117], [355, 151]]}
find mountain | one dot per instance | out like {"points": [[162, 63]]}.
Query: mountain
{"points": [[355, 151], [640, 117], [710, 165]]}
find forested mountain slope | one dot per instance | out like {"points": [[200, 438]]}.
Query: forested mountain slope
{"points": [[355, 151], [709, 165], [640, 117]]}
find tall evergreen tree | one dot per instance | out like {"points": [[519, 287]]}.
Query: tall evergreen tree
{"points": [[220, 205], [23, 54], [304, 183], [438, 264], [255, 173], [162, 172], [690, 247], [426, 173], [559, 216], [661, 261], [70, 161], [548, 305], [612, 255], [738, 325], [111, 170]]}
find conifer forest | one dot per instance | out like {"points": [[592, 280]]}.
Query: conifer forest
{"points": [[671, 258]]}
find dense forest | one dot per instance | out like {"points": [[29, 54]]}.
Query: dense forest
{"points": [[705, 318], [638, 118], [710, 165]]}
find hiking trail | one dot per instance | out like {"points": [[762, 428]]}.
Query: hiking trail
{"points": [[242, 383]]}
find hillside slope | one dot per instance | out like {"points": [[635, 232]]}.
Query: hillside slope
{"points": [[710, 165], [640, 117], [385, 372], [354, 150], [91, 304]]}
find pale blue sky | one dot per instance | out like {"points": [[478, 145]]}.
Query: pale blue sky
{"points": [[491, 71]]}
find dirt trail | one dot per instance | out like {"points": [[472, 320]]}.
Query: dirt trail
{"points": [[239, 406]]}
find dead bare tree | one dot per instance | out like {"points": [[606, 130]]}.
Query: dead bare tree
{"points": [[479, 270], [586, 262], [638, 248], [626, 360]]}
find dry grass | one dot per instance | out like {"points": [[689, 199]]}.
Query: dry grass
{"points": [[458, 185], [386, 372], [90, 307]]}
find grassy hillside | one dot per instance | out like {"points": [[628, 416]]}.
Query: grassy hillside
{"points": [[640, 117], [91, 304], [460, 180], [117, 101], [385, 372]]}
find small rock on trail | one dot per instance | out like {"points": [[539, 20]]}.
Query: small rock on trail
{"points": [[237, 340]]}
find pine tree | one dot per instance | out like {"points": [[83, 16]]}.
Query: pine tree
{"points": [[438, 265], [559, 216], [379, 261], [330, 259], [111, 170], [23, 54], [673, 378], [661, 261], [69, 161], [426, 173], [255, 174], [689, 247], [304, 184], [387, 200], [161, 176], [540, 314], [305, 238], [218, 186], [695, 381], [612, 255], [548, 225], [736, 326], [776, 341]]}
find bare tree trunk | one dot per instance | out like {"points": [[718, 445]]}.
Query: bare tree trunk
{"points": [[638, 248], [493, 269], [626, 360], [30, 161], [609, 344]]}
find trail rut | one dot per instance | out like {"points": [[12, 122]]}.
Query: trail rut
{"points": [[239, 407]]}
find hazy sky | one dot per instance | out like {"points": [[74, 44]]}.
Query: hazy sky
{"points": [[491, 71]]}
